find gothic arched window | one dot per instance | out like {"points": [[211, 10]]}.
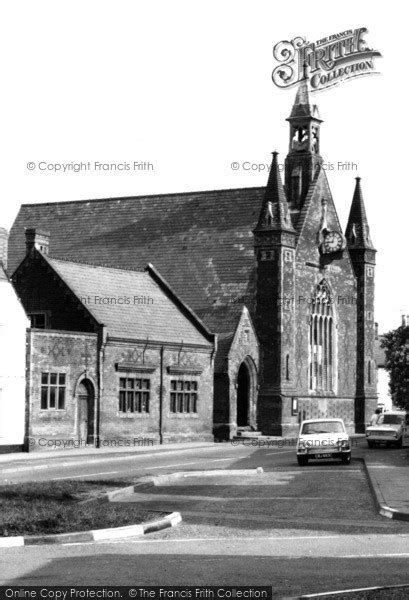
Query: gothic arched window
{"points": [[321, 340]]}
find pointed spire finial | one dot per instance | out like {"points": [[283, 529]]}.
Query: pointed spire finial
{"points": [[275, 214], [302, 106], [305, 70], [357, 231]]}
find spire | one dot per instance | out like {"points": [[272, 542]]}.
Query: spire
{"points": [[274, 213], [357, 231], [302, 107]]}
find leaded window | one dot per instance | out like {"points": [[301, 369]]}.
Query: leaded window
{"points": [[183, 396], [321, 340], [134, 395]]}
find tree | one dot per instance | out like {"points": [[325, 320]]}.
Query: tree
{"points": [[396, 345]]}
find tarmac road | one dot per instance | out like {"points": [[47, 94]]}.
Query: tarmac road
{"points": [[301, 530]]}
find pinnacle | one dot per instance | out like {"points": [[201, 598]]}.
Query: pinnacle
{"points": [[274, 213], [357, 231]]}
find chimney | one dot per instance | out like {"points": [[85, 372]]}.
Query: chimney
{"points": [[36, 238], [404, 320], [4, 236], [376, 331]]}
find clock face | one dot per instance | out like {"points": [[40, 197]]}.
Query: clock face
{"points": [[333, 241]]}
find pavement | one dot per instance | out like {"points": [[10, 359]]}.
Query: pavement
{"points": [[388, 474], [71, 452]]}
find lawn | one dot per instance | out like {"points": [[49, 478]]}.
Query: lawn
{"points": [[65, 506]]}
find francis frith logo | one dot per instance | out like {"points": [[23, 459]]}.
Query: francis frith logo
{"points": [[330, 60]]}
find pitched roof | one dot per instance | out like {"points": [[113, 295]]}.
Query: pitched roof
{"points": [[131, 304], [202, 242], [275, 214], [357, 231]]}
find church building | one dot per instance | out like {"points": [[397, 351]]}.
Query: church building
{"points": [[271, 299]]}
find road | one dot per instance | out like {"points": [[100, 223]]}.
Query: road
{"points": [[301, 530]]}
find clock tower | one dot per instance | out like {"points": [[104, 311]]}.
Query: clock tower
{"points": [[303, 159]]}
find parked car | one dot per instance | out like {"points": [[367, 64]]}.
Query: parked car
{"points": [[388, 429], [323, 439]]}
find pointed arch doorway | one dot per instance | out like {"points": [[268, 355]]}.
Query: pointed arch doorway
{"points": [[243, 396], [85, 403]]}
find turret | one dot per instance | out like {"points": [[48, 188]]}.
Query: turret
{"points": [[303, 157], [362, 253], [274, 244]]}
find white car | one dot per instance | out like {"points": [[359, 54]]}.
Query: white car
{"points": [[323, 439], [388, 429]]}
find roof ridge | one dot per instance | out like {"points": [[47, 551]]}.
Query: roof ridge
{"points": [[89, 264], [165, 195]]}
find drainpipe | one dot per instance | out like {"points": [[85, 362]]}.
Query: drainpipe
{"points": [[161, 397], [28, 387], [102, 338]]}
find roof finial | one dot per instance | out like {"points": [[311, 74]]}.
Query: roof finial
{"points": [[305, 70]]}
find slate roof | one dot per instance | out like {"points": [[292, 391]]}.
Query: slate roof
{"points": [[201, 242], [153, 314]]}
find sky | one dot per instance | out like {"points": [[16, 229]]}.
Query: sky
{"points": [[186, 86]]}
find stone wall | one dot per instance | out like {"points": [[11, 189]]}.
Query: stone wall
{"points": [[75, 355], [160, 366]]}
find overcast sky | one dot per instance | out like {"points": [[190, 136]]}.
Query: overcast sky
{"points": [[186, 85]]}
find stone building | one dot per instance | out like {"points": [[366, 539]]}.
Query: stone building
{"points": [[269, 270], [115, 358]]}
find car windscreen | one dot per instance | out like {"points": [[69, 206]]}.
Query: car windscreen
{"points": [[392, 419], [322, 427]]}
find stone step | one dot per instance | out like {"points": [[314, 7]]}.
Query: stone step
{"points": [[247, 434]]}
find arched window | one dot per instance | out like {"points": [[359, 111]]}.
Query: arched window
{"points": [[287, 367], [321, 340]]}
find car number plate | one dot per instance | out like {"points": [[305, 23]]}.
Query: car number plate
{"points": [[323, 455]]}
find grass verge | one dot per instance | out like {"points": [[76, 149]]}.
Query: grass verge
{"points": [[65, 506]]}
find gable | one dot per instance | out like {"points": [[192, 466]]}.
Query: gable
{"points": [[245, 334], [309, 225]]}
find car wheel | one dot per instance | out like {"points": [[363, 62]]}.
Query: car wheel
{"points": [[371, 444], [399, 443], [346, 460], [302, 460]]}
